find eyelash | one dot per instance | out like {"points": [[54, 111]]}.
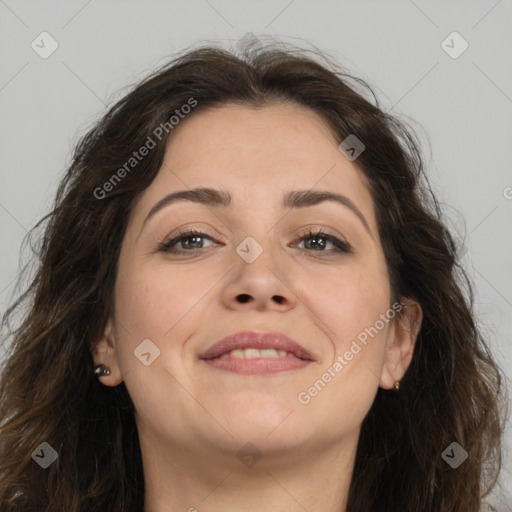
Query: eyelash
{"points": [[341, 246]]}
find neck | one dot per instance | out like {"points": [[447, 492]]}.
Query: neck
{"points": [[212, 479]]}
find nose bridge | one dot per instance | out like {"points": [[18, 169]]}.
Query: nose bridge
{"points": [[255, 227], [258, 254]]}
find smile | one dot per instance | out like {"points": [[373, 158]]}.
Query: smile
{"points": [[251, 361]]}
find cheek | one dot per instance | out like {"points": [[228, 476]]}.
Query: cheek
{"points": [[347, 300], [347, 380], [151, 304], [161, 302]]}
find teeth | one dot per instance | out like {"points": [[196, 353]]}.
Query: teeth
{"points": [[252, 353]]}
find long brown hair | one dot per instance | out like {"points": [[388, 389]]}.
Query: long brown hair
{"points": [[453, 390]]}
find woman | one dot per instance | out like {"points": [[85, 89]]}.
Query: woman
{"points": [[186, 347]]}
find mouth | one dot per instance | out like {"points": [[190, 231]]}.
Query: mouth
{"points": [[251, 352]]}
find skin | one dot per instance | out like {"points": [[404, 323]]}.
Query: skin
{"points": [[193, 419]]}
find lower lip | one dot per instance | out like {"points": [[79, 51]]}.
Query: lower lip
{"points": [[257, 365]]}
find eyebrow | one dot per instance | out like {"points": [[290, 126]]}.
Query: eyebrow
{"points": [[222, 198]]}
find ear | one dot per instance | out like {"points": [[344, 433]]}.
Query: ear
{"points": [[104, 352], [401, 340]]}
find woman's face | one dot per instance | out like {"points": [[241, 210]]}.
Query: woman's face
{"points": [[250, 270]]}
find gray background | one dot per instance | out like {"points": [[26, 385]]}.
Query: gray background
{"points": [[462, 106]]}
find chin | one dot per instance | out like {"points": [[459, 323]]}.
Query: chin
{"points": [[259, 418]]}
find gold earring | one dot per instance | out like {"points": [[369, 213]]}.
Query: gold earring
{"points": [[397, 385]]}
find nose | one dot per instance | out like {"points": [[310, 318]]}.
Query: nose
{"points": [[259, 284]]}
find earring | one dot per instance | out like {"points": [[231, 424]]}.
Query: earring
{"points": [[101, 370], [397, 385]]}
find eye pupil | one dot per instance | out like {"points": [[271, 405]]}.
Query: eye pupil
{"points": [[315, 237], [193, 237]]}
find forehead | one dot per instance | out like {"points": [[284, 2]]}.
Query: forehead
{"points": [[284, 132], [258, 154]]}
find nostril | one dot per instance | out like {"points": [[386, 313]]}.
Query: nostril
{"points": [[243, 298]]}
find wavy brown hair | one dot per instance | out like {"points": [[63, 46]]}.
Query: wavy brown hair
{"points": [[453, 390]]}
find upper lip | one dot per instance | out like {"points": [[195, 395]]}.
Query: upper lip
{"points": [[259, 340]]}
